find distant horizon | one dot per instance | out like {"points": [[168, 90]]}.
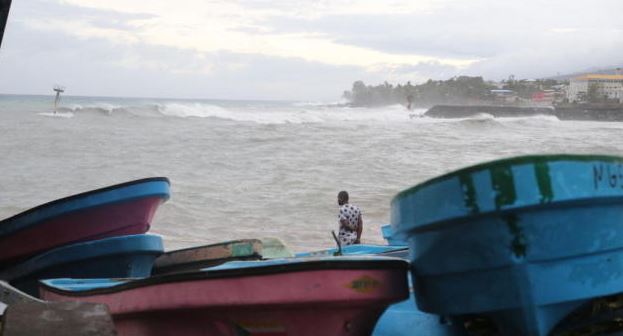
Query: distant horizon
{"points": [[64, 95], [574, 73]]}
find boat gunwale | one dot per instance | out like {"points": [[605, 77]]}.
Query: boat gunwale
{"points": [[507, 162], [378, 263], [345, 251], [250, 240], [469, 218], [97, 249], [200, 264]]}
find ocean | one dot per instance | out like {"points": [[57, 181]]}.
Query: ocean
{"points": [[250, 169]]}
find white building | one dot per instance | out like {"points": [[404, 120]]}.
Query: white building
{"points": [[610, 86]]}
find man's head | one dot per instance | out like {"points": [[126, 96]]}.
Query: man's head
{"points": [[342, 197]]}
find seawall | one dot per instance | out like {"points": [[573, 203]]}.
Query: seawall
{"points": [[562, 113]]}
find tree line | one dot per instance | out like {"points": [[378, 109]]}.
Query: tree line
{"points": [[462, 90]]}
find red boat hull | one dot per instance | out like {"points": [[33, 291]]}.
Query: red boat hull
{"points": [[110, 220], [311, 302]]}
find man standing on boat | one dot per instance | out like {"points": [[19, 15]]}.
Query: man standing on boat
{"points": [[350, 221]]}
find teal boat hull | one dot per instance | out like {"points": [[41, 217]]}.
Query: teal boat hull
{"points": [[118, 257], [523, 242]]}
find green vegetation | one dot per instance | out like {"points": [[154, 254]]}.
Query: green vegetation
{"points": [[458, 90], [462, 90]]}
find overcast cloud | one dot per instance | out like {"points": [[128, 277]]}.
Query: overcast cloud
{"points": [[295, 50]]}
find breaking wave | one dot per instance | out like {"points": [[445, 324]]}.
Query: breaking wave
{"points": [[295, 113], [278, 113]]}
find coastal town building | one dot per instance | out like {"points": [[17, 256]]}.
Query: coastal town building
{"points": [[501, 96], [596, 86], [545, 97]]}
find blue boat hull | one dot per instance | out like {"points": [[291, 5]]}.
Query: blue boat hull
{"points": [[524, 241], [390, 237], [405, 319], [119, 257]]}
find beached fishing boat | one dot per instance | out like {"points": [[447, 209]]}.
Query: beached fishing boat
{"points": [[521, 242], [122, 209], [195, 258], [117, 257], [401, 318], [390, 237], [293, 296]]}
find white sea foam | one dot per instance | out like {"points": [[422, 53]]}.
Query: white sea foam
{"points": [[287, 114], [341, 102], [486, 117], [192, 110], [57, 114], [533, 118]]}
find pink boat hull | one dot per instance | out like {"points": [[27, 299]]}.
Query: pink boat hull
{"points": [[130, 217], [313, 302]]}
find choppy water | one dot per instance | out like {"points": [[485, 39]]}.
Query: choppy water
{"points": [[255, 169]]}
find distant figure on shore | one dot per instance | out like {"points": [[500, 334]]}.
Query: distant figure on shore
{"points": [[350, 221], [410, 102]]}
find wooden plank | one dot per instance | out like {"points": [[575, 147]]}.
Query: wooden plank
{"points": [[208, 255], [57, 318]]}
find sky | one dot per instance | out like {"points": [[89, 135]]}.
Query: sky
{"points": [[293, 49]]}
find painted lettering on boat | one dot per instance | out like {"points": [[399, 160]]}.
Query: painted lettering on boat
{"points": [[364, 284], [607, 176]]}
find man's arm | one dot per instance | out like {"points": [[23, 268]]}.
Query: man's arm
{"points": [[359, 229]]}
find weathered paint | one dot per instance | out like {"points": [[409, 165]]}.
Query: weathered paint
{"points": [[504, 185], [543, 180], [529, 159], [518, 244], [242, 249], [528, 258], [469, 192]]}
